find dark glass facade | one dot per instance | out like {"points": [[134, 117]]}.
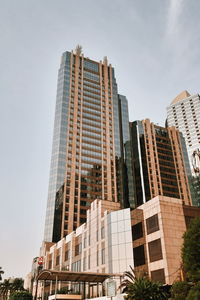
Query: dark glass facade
{"points": [[123, 161], [139, 170], [159, 167], [58, 157]]}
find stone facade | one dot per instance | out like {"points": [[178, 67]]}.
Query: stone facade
{"points": [[161, 223]]}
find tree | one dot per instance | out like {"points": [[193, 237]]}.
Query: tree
{"points": [[21, 295], [142, 288], [194, 293], [18, 284], [1, 272], [191, 251], [179, 290], [5, 288], [9, 286]]}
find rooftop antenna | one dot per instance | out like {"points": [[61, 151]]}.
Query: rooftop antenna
{"points": [[78, 49], [105, 60]]}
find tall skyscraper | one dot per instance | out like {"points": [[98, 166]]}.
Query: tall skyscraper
{"points": [[90, 128], [184, 114], [159, 163]]}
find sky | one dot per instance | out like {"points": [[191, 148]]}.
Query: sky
{"points": [[154, 47]]}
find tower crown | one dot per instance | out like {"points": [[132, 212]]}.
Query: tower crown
{"points": [[181, 96], [78, 50]]}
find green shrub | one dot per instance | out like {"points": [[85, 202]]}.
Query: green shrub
{"points": [[63, 290], [21, 295], [191, 251], [179, 290], [194, 293]]}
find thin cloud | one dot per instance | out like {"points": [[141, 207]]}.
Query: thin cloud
{"points": [[173, 17], [178, 38]]}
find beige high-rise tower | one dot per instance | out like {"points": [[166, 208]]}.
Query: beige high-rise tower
{"points": [[86, 144]]}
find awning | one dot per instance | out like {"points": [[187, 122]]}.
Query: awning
{"points": [[74, 276]]}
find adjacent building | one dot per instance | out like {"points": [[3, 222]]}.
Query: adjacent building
{"points": [[157, 231], [103, 244], [159, 163], [113, 239], [184, 114], [90, 128]]}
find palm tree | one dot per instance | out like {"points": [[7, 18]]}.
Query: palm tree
{"points": [[141, 288], [1, 272], [1, 290], [5, 288], [18, 284], [9, 286]]}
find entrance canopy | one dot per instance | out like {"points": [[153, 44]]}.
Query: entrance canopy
{"points": [[74, 276]]}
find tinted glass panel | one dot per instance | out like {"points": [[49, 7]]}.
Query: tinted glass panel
{"points": [[155, 250], [152, 224], [137, 231], [139, 256], [158, 275]]}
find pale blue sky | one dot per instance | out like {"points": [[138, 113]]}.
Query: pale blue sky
{"points": [[154, 47]]}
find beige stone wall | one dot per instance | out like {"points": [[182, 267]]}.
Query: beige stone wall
{"points": [[96, 219], [171, 228]]}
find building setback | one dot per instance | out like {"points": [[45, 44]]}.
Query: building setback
{"points": [[159, 165], [90, 128]]}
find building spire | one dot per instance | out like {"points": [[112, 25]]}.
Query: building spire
{"points": [[78, 49], [105, 60]]}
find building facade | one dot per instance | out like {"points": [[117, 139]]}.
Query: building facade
{"points": [[159, 163], [91, 123], [184, 114], [103, 244], [157, 230], [113, 239]]}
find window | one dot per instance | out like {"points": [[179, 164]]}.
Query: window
{"points": [[76, 266], [57, 260], [139, 256], [155, 250], [85, 242], [103, 256], [66, 254], [89, 261], [97, 256], [78, 249], [50, 264], [158, 275], [152, 224], [137, 231], [84, 264]]}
